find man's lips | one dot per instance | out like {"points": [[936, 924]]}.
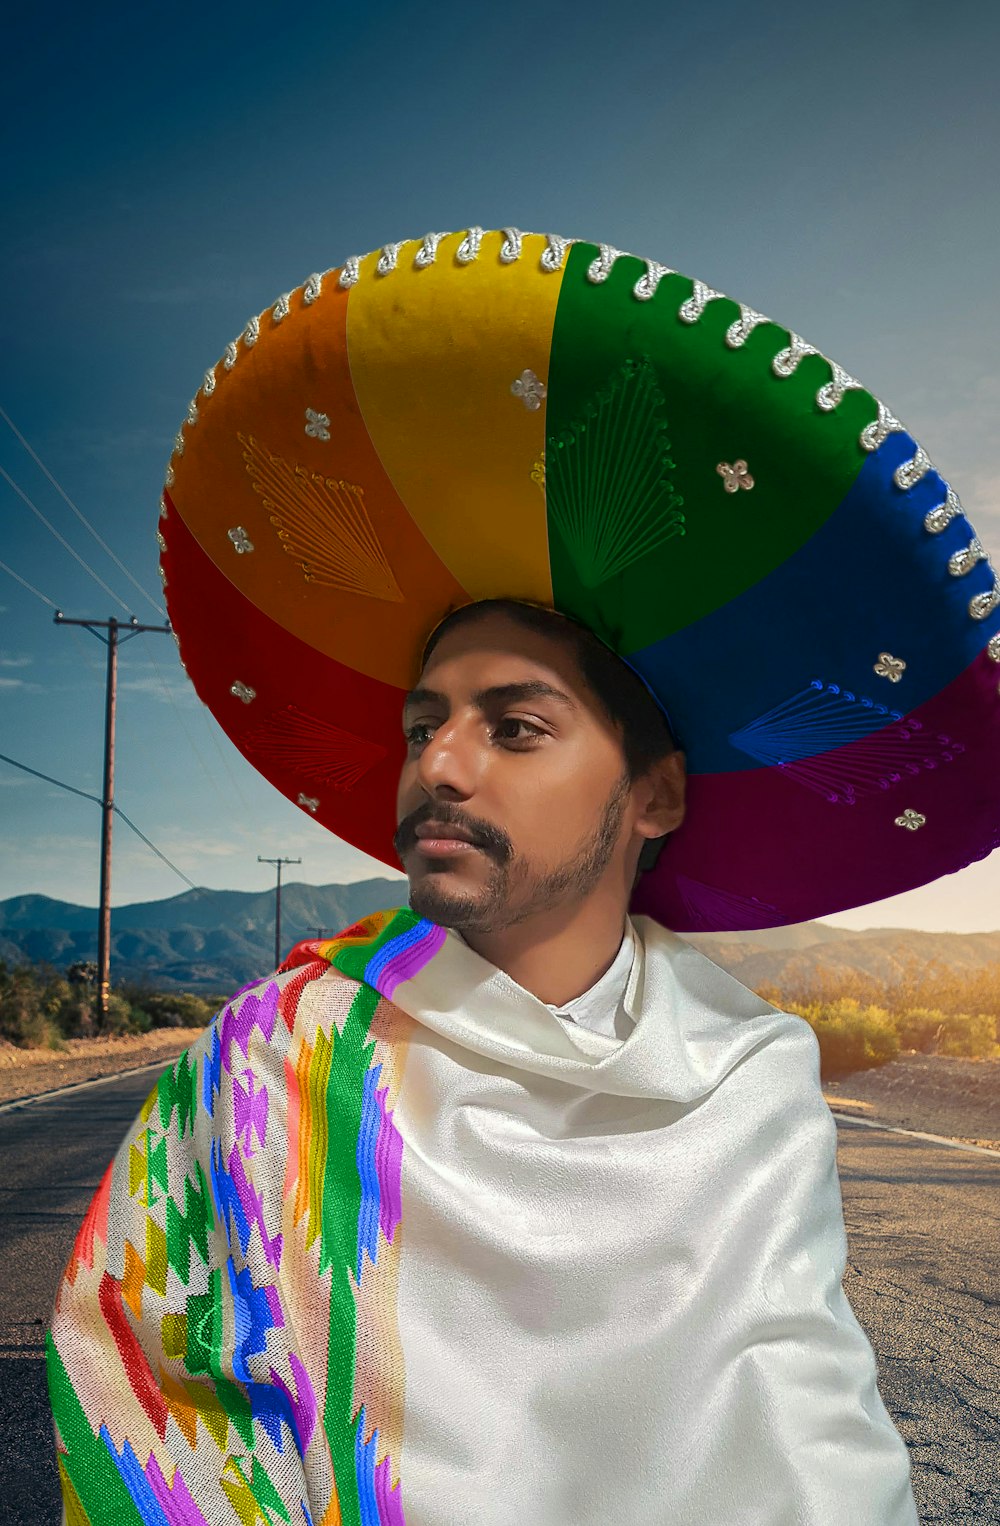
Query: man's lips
{"points": [[439, 840]]}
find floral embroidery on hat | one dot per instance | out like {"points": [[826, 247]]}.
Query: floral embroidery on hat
{"points": [[240, 539], [529, 389], [889, 667], [317, 425], [734, 476], [912, 820]]}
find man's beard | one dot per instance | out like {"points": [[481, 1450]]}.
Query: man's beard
{"points": [[514, 890]]}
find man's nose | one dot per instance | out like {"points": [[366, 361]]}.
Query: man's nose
{"points": [[446, 767]]}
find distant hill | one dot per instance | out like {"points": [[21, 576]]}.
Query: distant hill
{"points": [[214, 941], [201, 940], [302, 906], [882, 952]]}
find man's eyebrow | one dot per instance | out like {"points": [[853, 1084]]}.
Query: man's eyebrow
{"points": [[423, 697], [498, 694], [531, 688]]}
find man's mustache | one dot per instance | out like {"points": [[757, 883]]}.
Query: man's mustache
{"points": [[491, 839]]}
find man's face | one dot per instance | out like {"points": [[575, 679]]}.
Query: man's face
{"points": [[514, 797]]}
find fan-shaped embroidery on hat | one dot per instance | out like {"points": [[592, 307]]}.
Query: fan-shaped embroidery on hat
{"points": [[313, 749], [713, 909], [323, 525], [842, 745], [606, 478]]}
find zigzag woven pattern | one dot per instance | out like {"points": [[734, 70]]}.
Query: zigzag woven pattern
{"points": [[225, 1341]]}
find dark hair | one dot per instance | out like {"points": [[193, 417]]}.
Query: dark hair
{"points": [[646, 734]]}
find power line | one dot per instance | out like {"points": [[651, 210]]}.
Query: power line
{"points": [[79, 513], [37, 773], [211, 725], [87, 654], [62, 540], [48, 778], [52, 605], [170, 698], [25, 584], [119, 812]]}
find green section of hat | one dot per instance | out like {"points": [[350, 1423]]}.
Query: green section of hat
{"points": [[642, 410]]}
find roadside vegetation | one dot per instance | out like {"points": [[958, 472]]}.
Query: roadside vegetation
{"points": [[41, 1007], [862, 1021]]}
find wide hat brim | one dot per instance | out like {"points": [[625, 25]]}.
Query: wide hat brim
{"points": [[497, 414]]}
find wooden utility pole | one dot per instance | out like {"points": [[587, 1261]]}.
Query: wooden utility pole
{"points": [[277, 901], [117, 632]]}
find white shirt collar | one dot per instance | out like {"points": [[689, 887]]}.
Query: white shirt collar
{"points": [[602, 1007]]}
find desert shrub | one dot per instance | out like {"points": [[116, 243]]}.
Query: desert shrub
{"points": [[169, 1009], [851, 1036], [970, 1034], [921, 1028], [960, 1034], [39, 1007], [118, 1018], [142, 1022], [77, 1016], [29, 1007]]}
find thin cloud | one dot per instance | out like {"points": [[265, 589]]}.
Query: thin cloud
{"points": [[15, 662]]}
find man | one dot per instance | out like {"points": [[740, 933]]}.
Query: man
{"points": [[512, 1206], [538, 772]]}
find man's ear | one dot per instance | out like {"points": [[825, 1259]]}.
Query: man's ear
{"points": [[664, 796]]}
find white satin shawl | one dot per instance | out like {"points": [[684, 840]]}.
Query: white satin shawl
{"points": [[620, 1279]]}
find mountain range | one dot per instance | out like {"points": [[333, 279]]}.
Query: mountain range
{"points": [[208, 941], [213, 941]]}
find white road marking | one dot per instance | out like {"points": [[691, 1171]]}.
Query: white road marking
{"points": [[888, 1128], [79, 1086]]}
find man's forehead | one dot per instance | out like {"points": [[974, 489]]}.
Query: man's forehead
{"points": [[500, 653], [480, 691]]}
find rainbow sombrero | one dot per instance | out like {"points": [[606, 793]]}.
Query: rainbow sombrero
{"points": [[486, 414]]}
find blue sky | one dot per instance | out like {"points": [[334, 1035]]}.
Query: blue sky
{"points": [[169, 173]]}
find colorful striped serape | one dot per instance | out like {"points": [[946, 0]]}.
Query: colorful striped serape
{"points": [[391, 1246]]}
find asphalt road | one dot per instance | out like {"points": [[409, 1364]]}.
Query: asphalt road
{"points": [[923, 1225]]}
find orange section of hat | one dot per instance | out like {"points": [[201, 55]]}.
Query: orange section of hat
{"points": [[281, 485]]}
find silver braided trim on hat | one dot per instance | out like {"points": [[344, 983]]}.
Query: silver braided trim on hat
{"points": [[648, 286]]}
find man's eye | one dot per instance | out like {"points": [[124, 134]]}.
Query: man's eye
{"points": [[513, 729], [418, 733]]}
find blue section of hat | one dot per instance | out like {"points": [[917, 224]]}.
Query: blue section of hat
{"points": [[790, 663]]}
